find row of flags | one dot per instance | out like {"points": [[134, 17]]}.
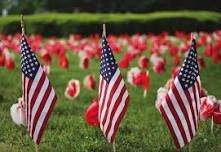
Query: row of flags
{"points": [[180, 109]]}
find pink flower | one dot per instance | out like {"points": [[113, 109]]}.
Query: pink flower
{"points": [[158, 63], [207, 107], [72, 89], [18, 112], [46, 69], [132, 74], [90, 82]]}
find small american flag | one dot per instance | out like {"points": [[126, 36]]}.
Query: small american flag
{"points": [[113, 95], [180, 108], [38, 94]]}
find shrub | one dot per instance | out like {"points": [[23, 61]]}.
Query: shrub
{"points": [[86, 24]]}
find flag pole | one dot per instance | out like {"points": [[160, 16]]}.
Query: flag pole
{"points": [[36, 148], [114, 147], [22, 25], [190, 147], [104, 30], [212, 124]]}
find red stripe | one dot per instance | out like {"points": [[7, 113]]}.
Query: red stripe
{"points": [[183, 108], [117, 103], [191, 106], [40, 108], [35, 95], [164, 114], [113, 90], [119, 119], [104, 97], [46, 120], [177, 119]]}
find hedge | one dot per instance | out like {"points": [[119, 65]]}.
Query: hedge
{"points": [[64, 24]]}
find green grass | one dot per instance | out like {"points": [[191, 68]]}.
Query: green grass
{"points": [[143, 129]]}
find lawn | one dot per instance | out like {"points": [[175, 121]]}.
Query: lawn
{"points": [[143, 129]]}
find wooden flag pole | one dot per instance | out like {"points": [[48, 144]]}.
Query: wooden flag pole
{"points": [[22, 25], [114, 147], [36, 148], [190, 147], [144, 93], [104, 30], [212, 124]]}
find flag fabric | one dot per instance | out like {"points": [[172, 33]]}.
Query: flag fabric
{"points": [[180, 109], [113, 94], [38, 93]]}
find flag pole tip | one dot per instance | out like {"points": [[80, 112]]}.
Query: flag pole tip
{"points": [[22, 24], [104, 30]]}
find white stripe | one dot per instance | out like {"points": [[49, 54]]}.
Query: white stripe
{"points": [[110, 86], [101, 98], [38, 101], [180, 114], [173, 123], [113, 101], [43, 115], [26, 98], [186, 104], [193, 102], [35, 82], [117, 114]]}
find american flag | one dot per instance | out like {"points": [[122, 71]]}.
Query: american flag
{"points": [[38, 94], [180, 108], [113, 95]]}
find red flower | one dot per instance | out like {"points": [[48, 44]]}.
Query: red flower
{"points": [[9, 64], [143, 62], [217, 113], [201, 62], [208, 50], [176, 60], [123, 64], [46, 57], [173, 51], [91, 115], [2, 60], [63, 62], [175, 72]]}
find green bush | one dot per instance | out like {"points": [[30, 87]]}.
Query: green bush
{"points": [[85, 23]]}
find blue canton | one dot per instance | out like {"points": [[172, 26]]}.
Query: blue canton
{"points": [[108, 64], [189, 70], [29, 62]]}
